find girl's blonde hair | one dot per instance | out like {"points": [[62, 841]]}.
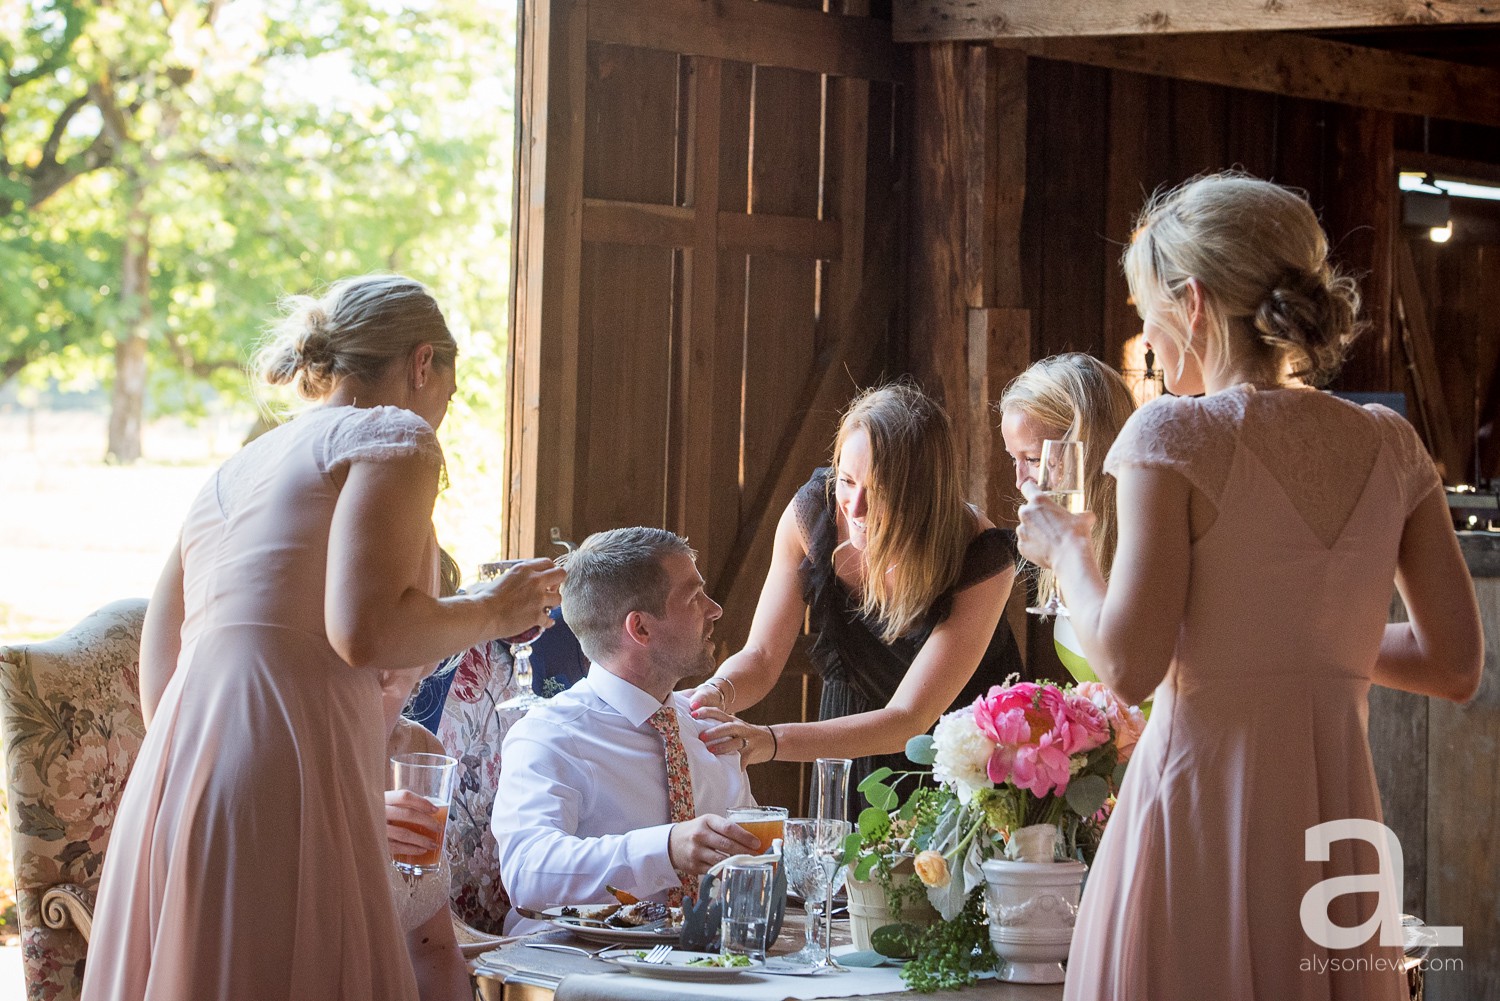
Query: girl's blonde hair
{"points": [[1261, 259], [1076, 397], [918, 527], [357, 327]]}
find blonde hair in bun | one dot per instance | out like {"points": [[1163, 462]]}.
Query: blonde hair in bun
{"points": [[1261, 258], [356, 327]]}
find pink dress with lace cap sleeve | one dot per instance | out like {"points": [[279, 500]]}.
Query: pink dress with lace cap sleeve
{"points": [[1259, 727], [248, 857]]}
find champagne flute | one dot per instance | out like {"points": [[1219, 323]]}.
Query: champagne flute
{"points": [[520, 646], [828, 802], [1061, 480]]}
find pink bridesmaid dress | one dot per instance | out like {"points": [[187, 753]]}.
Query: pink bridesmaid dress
{"points": [[248, 860], [1259, 730]]}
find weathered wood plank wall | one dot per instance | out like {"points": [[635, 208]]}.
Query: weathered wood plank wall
{"points": [[706, 232]]}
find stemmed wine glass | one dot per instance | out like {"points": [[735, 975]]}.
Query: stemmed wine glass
{"points": [[805, 875], [1061, 479], [520, 646]]}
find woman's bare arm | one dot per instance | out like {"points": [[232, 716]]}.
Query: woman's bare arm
{"points": [[161, 634], [376, 613], [1441, 650]]}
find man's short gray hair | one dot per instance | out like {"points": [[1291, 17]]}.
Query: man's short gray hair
{"points": [[612, 574]]}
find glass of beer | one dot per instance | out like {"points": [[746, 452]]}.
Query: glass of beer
{"points": [[768, 823], [431, 777]]}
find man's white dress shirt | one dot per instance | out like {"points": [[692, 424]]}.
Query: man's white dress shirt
{"points": [[582, 799]]}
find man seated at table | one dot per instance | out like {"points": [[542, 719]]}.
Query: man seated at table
{"points": [[609, 783]]}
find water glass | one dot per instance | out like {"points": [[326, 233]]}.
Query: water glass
{"points": [[431, 777], [748, 902]]}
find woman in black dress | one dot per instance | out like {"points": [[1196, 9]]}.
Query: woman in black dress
{"points": [[896, 648]]}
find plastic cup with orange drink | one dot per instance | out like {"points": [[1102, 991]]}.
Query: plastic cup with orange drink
{"points": [[431, 777]]}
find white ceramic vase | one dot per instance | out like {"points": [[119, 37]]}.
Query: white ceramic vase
{"points": [[1032, 907]]}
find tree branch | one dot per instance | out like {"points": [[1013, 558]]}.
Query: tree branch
{"points": [[47, 179], [54, 139]]}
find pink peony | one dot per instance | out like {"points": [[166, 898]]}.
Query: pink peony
{"points": [[1041, 706], [1082, 726], [1002, 758], [1041, 769]]}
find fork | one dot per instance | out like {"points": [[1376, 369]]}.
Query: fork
{"points": [[580, 950], [658, 955]]}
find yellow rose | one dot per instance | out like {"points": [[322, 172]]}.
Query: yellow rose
{"points": [[932, 868]]}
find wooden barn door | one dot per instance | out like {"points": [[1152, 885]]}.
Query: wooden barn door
{"points": [[704, 273]]}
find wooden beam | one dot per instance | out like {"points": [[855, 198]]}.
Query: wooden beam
{"points": [[959, 20], [766, 34], [692, 489], [1295, 66], [1421, 355], [637, 224], [1449, 168], [788, 236], [944, 137], [542, 457]]}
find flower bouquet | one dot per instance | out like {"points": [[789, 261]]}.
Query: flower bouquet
{"points": [[1027, 770]]}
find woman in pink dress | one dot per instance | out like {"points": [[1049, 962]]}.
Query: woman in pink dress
{"points": [[1261, 525], [248, 857]]}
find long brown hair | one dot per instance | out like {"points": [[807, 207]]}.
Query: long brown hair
{"points": [[919, 527]]}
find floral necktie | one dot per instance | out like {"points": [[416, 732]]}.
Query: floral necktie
{"points": [[679, 789]]}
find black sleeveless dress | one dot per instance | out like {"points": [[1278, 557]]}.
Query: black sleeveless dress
{"points": [[860, 671]]}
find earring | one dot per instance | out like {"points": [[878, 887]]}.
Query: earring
{"points": [[421, 383]]}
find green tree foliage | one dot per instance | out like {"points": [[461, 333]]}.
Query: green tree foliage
{"points": [[168, 169]]}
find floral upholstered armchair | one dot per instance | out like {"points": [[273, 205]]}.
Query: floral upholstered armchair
{"points": [[472, 731], [70, 716]]}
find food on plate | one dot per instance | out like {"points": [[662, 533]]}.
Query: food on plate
{"points": [[722, 961], [643, 912], [590, 912], [621, 895], [637, 915]]}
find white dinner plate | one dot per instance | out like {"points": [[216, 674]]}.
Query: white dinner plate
{"points": [[593, 931], [675, 966]]}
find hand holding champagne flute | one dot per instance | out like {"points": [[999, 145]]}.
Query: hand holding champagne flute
{"points": [[1060, 479]]}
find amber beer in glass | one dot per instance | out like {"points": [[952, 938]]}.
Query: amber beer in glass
{"points": [[768, 823]]}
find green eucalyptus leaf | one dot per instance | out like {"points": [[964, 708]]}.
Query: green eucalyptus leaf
{"points": [[852, 844], [873, 820], [863, 867], [1119, 776], [1086, 794], [883, 797], [922, 749], [879, 775]]}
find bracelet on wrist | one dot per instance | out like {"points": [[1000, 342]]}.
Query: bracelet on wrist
{"points": [[726, 699], [775, 744]]}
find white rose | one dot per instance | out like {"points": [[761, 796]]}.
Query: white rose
{"points": [[962, 754]]}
